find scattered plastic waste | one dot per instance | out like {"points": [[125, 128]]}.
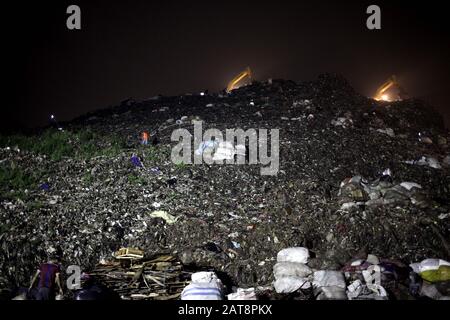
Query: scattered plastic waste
{"points": [[156, 205], [433, 270], [290, 284], [136, 161], [207, 147], [409, 185], [225, 151], [295, 254], [95, 202], [342, 122], [426, 161], [45, 187], [168, 218], [155, 170], [328, 278], [355, 289], [291, 269], [243, 294], [387, 131], [331, 293], [204, 286], [357, 192]]}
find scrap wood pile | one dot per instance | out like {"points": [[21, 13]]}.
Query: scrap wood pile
{"points": [[161, 278]]}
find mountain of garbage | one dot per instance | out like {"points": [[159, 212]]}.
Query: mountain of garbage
{"points": [[357, 179]]}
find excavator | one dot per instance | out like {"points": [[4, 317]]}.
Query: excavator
{"points": [[233, 84], [391, 83]]}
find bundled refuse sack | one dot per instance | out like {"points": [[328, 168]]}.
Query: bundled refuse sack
{"points": [[204, 286], [435, 275], [329, 285], [432, 270], [357, 191], [243, 294], [291, 272], [365, 277]]}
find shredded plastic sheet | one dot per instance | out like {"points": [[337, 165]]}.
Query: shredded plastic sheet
{"points": [[167, 217]]}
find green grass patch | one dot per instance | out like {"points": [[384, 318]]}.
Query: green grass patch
{"points": [[59, 144], [14, 180], [87, 178], [136, 180]]}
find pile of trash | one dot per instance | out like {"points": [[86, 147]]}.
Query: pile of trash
{"points": [[356, 177], [370, 278], [291, 272], [160, 278], [357, 191]]}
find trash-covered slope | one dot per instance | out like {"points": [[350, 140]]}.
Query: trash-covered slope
{"points": [[86, 204]]}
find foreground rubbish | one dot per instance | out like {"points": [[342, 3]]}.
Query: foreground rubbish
{"points": [[243, 294], [168, 218], [161, 278], [330, 285], [291, 272], [204, 286], [357, 191], [129, 254], [432, 270], [361, 279]]}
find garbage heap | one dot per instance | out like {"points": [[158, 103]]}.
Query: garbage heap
{"points": [[161, 278], [361, 278], [356, 177]]}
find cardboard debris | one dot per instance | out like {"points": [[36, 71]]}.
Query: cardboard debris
{"points": [[129, 254]]}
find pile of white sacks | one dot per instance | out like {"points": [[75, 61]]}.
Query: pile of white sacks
{"points": [[292, 273]]}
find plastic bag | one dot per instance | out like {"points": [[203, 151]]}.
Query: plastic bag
{"points": [[243, 294], [291, 284], [291, 269], [329, 279], [294, 254], [204, 286], [441, 274]]}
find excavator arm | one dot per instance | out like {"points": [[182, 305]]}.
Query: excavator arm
{"points": [[390, 83], [233, 83]]}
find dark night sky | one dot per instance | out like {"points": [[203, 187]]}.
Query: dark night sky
{"points": [[142, 48]]}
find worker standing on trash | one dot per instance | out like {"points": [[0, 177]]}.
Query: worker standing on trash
{"points": [[49, 275], [144, 138]]}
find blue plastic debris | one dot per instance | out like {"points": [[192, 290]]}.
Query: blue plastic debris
{"points": [[211, 144], [236, 245], [136, 161], [44, 187], [155, 170]]}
